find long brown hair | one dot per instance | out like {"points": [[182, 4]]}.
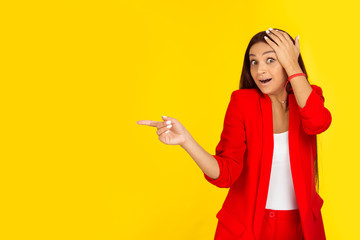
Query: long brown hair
{"points": [[247, 82]]}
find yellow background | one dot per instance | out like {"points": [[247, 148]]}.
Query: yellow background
{"points": [[77, 75]]}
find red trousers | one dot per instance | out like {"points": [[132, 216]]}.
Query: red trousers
{"points": [[281, 225]]}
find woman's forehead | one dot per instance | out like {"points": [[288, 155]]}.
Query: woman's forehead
{"points": [[260, 48]]}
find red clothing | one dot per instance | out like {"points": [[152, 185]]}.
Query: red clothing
{"points": [[282, 225], [244, 155]]}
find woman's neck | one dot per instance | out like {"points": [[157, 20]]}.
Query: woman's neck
{"points": [[277, 102]]}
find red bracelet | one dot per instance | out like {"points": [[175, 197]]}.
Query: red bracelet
{"points": [[295, 75], [292, 76]]}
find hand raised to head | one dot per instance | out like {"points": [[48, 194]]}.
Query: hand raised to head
{"points": [[286, 51]]}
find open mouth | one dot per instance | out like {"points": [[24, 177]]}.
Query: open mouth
{"points": [[265, 80]]}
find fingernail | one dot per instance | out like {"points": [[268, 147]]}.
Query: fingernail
{"points": [[270, 29], [168, 122], [265, 37], [169, 126], [298, 37], [267, 31], [167, 131], [164, 116]]}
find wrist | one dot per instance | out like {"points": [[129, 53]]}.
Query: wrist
{"points": [[293, 69], [188, 140]]}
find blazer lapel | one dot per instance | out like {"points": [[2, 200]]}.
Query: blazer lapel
{"points": [[266, 162], [295, 162]]}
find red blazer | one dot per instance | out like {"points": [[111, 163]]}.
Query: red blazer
{"points": [[244, 155]]}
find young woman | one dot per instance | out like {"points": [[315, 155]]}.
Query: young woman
{"points": [[267, 154]]}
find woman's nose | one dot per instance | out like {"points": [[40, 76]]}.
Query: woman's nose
{"points": [[262, 68]]}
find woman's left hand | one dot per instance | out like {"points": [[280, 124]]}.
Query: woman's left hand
{"points": [[286, 51]]}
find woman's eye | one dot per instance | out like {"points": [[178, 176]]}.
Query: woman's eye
{"points": [[270, 59], [252, 62]]}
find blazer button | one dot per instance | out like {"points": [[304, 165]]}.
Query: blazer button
{"points": [[272, 214]]}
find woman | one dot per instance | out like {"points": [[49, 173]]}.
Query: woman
{"points": [[267, 154]]}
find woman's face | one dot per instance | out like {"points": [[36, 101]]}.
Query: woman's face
{"points": [[265, 65]]}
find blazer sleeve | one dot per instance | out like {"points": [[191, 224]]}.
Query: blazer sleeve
{"points": [[230, 150], [315, 117]]}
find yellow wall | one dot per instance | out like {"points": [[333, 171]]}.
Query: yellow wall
{"points": [[77, 75]]}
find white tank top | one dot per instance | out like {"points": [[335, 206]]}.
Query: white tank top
{"points": [[281, 194]]}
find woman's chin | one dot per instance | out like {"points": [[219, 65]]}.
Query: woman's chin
{"points": [[265, 90]]}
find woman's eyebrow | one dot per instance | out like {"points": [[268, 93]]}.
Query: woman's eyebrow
{"points": [[263, 53]]}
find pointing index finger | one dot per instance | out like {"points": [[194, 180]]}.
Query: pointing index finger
{"points": [[148, 123]]}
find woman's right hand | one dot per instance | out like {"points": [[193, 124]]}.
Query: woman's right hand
{"points": [[170, 131]]}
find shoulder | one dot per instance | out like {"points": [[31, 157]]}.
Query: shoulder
{"points": [[246, 95]]}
